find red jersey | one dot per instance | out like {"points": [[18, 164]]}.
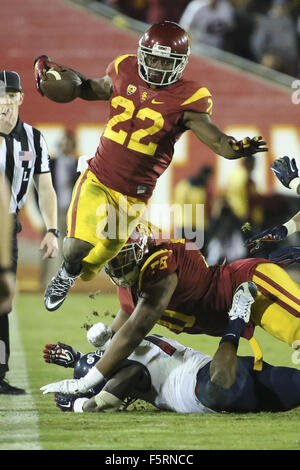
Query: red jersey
{"points": [[203, 296], [137, 143]]}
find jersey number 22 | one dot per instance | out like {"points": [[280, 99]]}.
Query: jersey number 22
{"points": [[136, 137]]}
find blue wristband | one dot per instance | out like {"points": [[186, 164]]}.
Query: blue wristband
{"points": [[233, 331]]}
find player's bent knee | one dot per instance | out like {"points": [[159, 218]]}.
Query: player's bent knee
{"points": [[222, 379], [210, 393], [75, 249], [214, 397]]}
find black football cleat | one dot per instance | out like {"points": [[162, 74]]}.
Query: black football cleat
{"points": [[58, 288], [7, 389]]}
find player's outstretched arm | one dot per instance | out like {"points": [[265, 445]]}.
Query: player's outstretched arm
{"points": [[274, 234], [129, 379], [149, 309], [285, 169], [222, 144], [86, 89], [152, 303], [118, 388]]}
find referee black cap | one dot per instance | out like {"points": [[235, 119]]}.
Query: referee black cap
{"points": [[10, 81]]}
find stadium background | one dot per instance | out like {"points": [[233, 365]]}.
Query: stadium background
{"points": [[245, 103]]}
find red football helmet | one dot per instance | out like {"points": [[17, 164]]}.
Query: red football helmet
{"points": [[123, 269], [168, 42]]}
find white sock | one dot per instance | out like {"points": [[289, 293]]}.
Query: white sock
{"points": [[78, 405]]}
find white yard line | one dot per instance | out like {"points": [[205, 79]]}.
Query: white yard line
{"points": [[18, 416]]}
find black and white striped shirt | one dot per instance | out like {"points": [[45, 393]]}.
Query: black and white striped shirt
{"points": [[23, 155]]}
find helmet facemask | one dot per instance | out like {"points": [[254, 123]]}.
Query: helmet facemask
{"points": [[123, 269], [166, 75]]}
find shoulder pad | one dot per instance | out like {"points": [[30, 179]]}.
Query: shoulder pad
{"points": [[120, 59], [159, 265], [113, 67], [200, 100]]}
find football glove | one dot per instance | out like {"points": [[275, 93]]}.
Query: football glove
{"points": [[61, 354], [65, 402], [285, 169], [274, 234], [248, 147], [286, 256], [99, 334], [75, 386], [42, 64], [67, 387]]}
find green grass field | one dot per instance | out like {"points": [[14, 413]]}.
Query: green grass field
{"points": [[33, 422]]}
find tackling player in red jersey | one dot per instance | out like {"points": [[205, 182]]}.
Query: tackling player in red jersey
{"points": [[170, 284], [151, 105]]}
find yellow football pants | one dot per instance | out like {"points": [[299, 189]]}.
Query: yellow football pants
{"points": [[102, 217], [277, 306]]}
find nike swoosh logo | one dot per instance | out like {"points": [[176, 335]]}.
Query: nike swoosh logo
{"points": [[51, 306], [66, 406], [156, 102]]}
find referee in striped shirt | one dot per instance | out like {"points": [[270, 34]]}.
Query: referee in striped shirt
{"points": [[23, 159]]}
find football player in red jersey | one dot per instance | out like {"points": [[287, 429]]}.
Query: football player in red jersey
{"points": [[170, 283], [151, 105]]}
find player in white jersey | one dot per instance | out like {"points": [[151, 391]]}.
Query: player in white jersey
{"points": [[174, 377], [172, 369], [160, 371]]}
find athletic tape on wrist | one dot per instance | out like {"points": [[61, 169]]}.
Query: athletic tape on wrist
{"points": [[107, 401], [78, 405], [93, 335], [294, 184], [291, 226], [93, 377]]}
